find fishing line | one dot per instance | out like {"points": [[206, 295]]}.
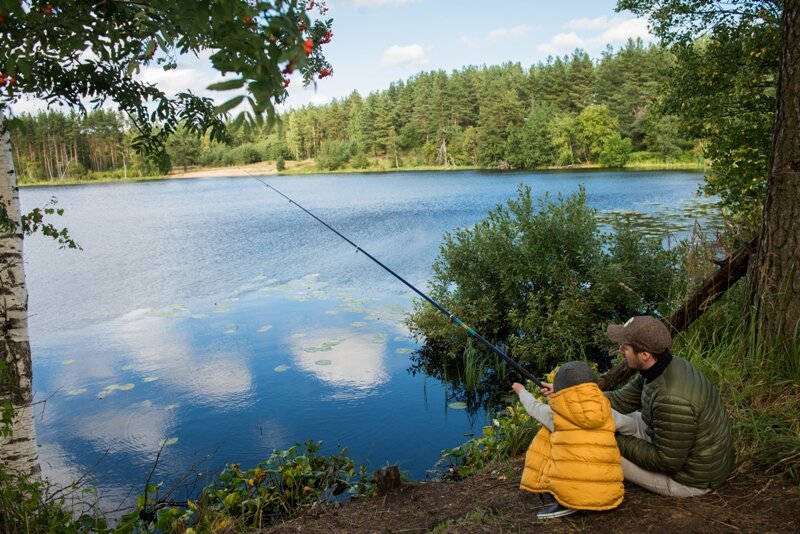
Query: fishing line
{"points": [[517, 367]]}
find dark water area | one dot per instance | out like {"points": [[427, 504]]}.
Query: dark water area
{"points": [[216, 317]]}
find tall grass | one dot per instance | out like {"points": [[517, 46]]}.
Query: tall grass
{"points": [[761, 385]]}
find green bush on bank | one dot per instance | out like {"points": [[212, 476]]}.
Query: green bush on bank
{"points": [[542, 279]]}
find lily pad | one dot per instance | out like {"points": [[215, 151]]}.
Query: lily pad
{"points": [[358, 324], [169, 407], [265, 328], [125, 387], [457, 405], [77, 391], [331, 312], [323, 362], [68, 362], [379, 339], [400, 339], [404, 351], [149, 379], [230, 331], [222, 309], [167, 442], [199, 316], [282, 368]]}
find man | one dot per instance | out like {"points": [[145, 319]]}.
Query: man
{"points": [[676, 438]]}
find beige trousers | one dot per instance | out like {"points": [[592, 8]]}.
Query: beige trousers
{"points": [[632, 425]]}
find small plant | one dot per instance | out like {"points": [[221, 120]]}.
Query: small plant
{"points": [[28, 504], [277, 487]]}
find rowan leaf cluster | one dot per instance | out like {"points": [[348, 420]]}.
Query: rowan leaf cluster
{"points": [[75, 51]]}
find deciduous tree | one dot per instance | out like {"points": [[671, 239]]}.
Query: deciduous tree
{"points": [[73, 50]]}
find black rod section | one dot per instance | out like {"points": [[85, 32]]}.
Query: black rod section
{"points": [[521, 370]]}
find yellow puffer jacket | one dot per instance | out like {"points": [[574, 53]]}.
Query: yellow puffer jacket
{"points": [[579, 463]]}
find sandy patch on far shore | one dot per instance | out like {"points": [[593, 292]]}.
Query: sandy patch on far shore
{"points": [[256, 169]]}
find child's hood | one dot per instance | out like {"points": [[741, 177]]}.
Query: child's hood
{"points": [[583, 405]]}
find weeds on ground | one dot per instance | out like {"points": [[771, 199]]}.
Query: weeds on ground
{"points": [[252, 498], [28, 504], [238, 500]]}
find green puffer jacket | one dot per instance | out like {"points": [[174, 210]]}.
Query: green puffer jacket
{"points": [[689, 427]]}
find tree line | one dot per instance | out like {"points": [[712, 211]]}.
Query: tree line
{"points": [[564, 111]]}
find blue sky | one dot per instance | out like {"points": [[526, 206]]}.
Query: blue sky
{"points": [[376, 42]]}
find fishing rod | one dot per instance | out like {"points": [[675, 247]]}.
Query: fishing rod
{"points": [[517, 367]]}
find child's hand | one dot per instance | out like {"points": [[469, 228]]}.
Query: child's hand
{"points": [[546, 389], [517, 387]]}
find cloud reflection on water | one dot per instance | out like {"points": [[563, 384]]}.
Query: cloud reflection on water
{"points": [[355, 360], [160, 348]]}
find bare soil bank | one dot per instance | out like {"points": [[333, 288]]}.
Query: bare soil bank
{"points": [[491, 502]]}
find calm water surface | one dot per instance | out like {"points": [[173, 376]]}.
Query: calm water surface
{"points": [[216, 315]]}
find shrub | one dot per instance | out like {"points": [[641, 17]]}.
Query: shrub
{"points": [[242, 155], [542, 282], [333, 154], [360, 161], [616, 151]]}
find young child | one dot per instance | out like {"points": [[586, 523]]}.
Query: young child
{"points": [[574, 456]]}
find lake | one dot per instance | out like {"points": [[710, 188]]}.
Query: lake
{"points": [[214, 315]]}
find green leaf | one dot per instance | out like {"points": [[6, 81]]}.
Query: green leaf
{"points": [[227, 85], [229, 105]]}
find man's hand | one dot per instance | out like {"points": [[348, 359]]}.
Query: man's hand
{"points": [[517, 387], [546, 389]]}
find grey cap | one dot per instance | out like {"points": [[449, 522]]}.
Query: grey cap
{"points": [[644, 331], [573, 373]]}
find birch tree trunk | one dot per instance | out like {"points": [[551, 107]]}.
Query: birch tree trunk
{"points": [[17, 451], [775, 275]]}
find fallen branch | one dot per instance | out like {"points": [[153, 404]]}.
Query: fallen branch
{"points": [[731, 269]]}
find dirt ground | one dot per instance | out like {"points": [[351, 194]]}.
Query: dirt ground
{"points": [[491, 502]]}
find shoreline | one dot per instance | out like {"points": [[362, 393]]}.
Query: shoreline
{"points": [[299, 168]]}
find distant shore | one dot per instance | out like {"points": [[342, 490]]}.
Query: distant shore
{"points": [[268, 168]]}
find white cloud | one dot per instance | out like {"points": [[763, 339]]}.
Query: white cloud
{"points": [[319, 100], [562, 42], [180, 80], [408, 56], [509, 33], [548, 49], [597, 32], [622, 30]]}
